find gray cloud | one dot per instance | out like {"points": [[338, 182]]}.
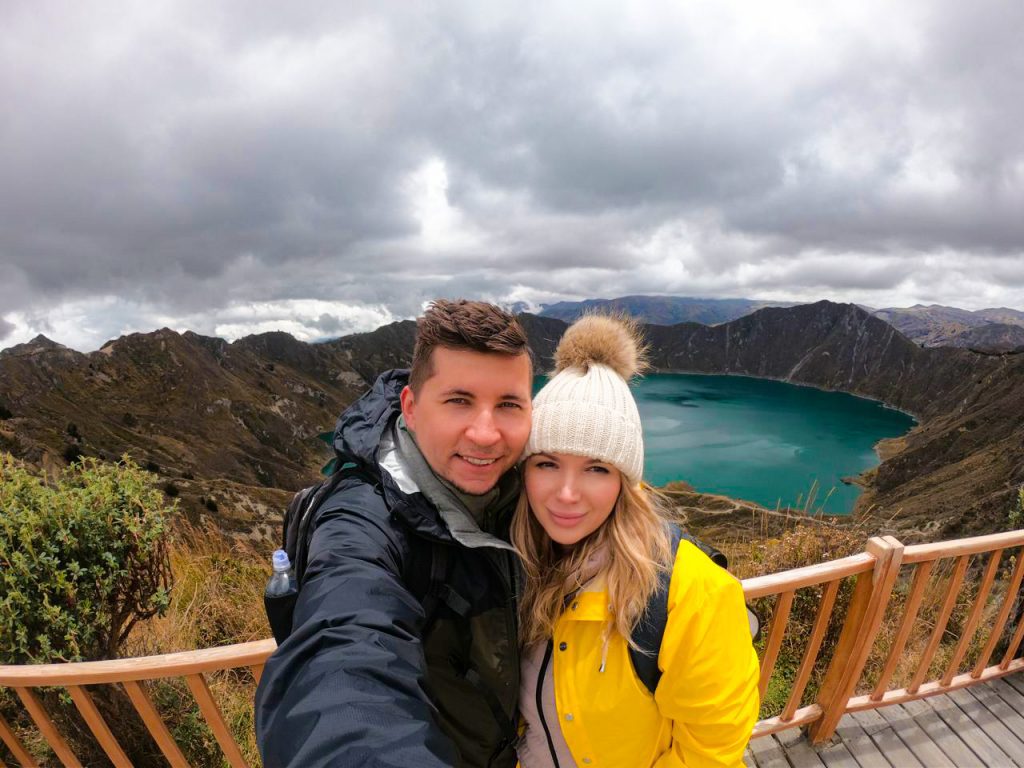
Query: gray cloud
{"points": [[181, 164]]}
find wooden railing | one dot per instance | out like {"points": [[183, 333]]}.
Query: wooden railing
{"points": [[886, 564], [884, 568], [193, 666]]}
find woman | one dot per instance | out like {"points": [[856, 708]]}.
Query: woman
{"points": [[594, 542]]}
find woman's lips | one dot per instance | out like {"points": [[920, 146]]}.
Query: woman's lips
{"points": [[566, 521]]}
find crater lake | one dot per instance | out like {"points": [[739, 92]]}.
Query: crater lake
{"points": [[761, 440]]}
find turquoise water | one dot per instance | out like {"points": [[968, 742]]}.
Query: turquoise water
{"points": [[761, 440]]}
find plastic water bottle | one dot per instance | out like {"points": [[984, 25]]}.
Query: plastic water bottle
{"points": [[282, 582]]}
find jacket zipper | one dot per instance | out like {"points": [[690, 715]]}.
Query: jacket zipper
{"points": [[540, 700]]}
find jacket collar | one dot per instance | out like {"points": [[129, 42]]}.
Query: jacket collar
{"points": [[399, 457]]}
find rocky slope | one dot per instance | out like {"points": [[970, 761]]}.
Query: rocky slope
{"points": [[937, 326], [994, 338], [226, 426], [231, 428]]}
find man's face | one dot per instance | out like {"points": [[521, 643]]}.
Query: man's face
{"points": [[472, 417]]}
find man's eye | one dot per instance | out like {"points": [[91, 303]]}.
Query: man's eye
{"points": [[511, 404], [457, 400]]}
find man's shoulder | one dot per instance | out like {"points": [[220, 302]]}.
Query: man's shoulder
{"points": [[357, 490]]}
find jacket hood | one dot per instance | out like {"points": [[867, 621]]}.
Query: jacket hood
{"points": [[360, 427]]}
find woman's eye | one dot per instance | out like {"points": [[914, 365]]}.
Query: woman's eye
{"points": [[598, 469], [544, 464]]}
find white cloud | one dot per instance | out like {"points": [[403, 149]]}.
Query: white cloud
{"points": [[86, 324]]}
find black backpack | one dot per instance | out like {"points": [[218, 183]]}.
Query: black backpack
{"points": [[302, 509]]}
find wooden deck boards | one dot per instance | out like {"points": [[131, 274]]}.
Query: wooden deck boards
{"points": [[977, 727]]}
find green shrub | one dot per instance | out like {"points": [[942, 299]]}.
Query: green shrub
{"points": [[82, 559], [1016, 516]]}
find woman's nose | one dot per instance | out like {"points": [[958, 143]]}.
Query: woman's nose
{"points": [[568, 490]]}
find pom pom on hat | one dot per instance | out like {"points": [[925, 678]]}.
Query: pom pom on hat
{"points": [[586, 409], [603, 340]]}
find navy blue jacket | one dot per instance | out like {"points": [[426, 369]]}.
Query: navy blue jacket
{"points": [[357, 683]]}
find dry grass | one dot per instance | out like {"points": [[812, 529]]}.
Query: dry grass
{"points": [[217, 599]]}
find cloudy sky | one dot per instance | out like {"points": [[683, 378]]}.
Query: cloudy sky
{"points": [[322, 168]]}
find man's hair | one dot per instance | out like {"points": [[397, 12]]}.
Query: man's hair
{"points": [[475, 326]]}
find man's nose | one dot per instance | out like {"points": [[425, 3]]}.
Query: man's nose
{"points": [[482, 431]]}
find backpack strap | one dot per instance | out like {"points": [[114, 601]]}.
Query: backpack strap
{"points": [[438, 589], [650, 630], [305, 504], [439, 592]]}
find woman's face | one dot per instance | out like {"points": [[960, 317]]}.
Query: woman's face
{"points": [[571, 496]]}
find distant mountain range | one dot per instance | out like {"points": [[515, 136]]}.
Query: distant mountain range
{"points": [[986, 330], [231, 428], [662, 310]]}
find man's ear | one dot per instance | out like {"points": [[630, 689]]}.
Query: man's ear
{"points": [[408, 398]]}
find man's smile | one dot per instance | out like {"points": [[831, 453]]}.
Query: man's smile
{"points": [[477, 461]]}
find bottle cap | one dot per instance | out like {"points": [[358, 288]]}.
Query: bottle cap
{"points": [[280, 560]]}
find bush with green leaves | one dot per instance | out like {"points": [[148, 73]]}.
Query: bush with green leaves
{"points": [[1016, 515], [82, 559]]}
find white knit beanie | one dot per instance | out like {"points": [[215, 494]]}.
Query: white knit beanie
{"points": [[586, 409]]}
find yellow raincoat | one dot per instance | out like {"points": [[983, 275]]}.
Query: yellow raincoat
{"points": [[706, 702]]}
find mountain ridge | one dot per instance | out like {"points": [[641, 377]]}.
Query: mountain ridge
{"points": [[237, 421]]}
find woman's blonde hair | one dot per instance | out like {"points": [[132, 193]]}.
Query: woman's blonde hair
{"points": [[635, 540]]}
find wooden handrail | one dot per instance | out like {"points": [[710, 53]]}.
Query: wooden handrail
{"points": [[807, 576], [917, 553], [877, 571], [178, 664]]}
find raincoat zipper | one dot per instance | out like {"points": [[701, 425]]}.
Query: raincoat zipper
{"points": [[540, 700]]}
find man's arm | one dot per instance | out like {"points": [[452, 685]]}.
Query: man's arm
{"points": [[346, 688]]}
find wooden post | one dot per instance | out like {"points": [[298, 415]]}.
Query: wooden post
{"points": [[863, 619]]}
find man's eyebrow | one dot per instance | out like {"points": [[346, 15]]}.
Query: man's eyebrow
{"points": [[459, 392], [466, 393]]}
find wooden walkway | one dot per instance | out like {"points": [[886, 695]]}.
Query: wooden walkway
{"points": [[981, 725]]}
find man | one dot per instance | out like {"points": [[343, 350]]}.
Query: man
{"points": [[367, 678]]}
